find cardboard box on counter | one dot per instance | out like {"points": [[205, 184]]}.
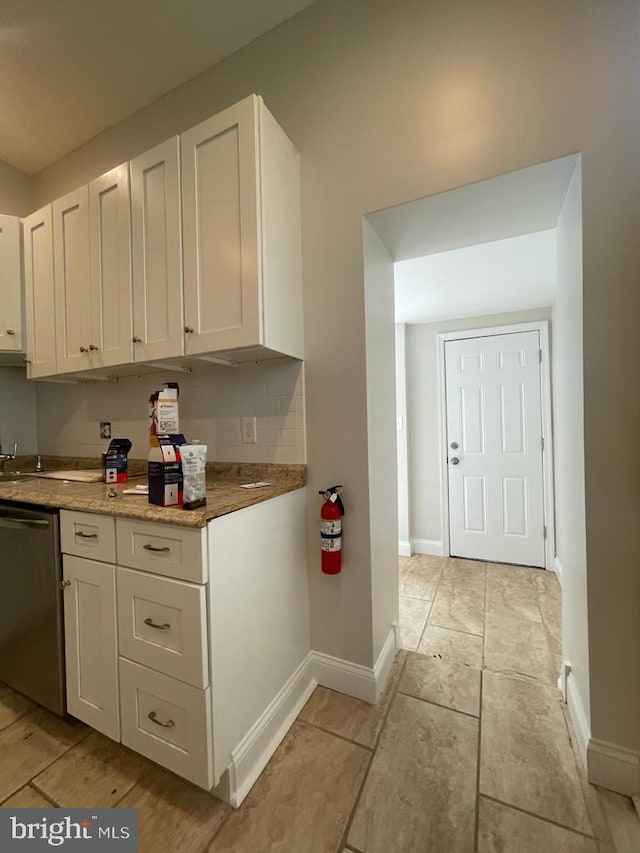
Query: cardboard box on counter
{"points": [[166, 478], [115, 461]]}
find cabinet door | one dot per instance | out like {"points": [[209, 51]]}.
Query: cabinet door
{"points": [[110, 244], [91, 644], [71, 273], [39, 293], [220, 231], [10, 285], [157, 255]]}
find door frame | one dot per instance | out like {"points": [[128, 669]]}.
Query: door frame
{"points": [[541, 326]]}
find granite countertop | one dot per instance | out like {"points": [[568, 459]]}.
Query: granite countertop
{"points": [[224, 492]]}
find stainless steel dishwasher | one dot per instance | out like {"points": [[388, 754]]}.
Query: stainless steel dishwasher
{"points": [[31, 622]]}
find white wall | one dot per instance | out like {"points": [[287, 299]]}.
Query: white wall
{"points": [[404, 534], [381, 434], [568, 411], [211, 405], [16, 191], [492, 278], [17, 412], [392, 101], [423, 414]]}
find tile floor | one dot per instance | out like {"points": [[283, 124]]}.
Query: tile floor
{"points": [[468, 750]]}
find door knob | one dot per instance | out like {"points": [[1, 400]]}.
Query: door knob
{"points": [[454, 460], [93, 348], [83, 349], [188, 330], [136, 339], [454, 445], [11, 331]]}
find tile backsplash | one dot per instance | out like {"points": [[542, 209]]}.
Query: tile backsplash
{"points": [[211, 405], [17, 412]]}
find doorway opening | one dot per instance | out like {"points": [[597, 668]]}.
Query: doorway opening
{"points": [[486, 277]]}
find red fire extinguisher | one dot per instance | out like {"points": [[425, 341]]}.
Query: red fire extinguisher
{"points": [[331, 530]]}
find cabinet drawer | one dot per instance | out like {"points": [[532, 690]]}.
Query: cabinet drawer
{"points": [[162, 624], [85, 534], [177, 552], [168, 721]]}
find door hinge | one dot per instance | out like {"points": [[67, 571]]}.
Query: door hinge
{"points": [[542, 442], [540, 356], [544, 528]]}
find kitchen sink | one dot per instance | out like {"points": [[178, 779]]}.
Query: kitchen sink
{"points": [[14, 476]]}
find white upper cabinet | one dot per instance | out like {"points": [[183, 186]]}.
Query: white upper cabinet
{"points": [[72, 280], [157, 256], [110, 254], [240, 192], [39, 293], [10, 285]]}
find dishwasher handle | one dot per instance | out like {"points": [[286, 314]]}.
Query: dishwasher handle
{"points": [[19, 523]]}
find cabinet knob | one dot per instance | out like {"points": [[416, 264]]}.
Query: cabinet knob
{"points": [[188, 329], [11, 331], [83, 349], [136, 339], [65, 583], [27, 360], [93, 348]]}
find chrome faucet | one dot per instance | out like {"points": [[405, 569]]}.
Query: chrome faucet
{"points": [[8, 457]]}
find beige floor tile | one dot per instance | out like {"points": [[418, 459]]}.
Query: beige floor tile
{"points": [[458, 608], [31, 744], [453, 685], [26, 798], [451, 646], [520, 647], [413, 618], [503, 573], [350, 717], [622, 821], [96, 772], [12, 706], [460, 600], [420, 791], [516, 599], [420, 575], [302, 800], [526, 756], [505, 830], [174, 815]]}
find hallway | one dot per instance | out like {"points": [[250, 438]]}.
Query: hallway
{"points": [[468, 750]]}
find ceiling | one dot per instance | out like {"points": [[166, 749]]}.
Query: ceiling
{"points": [[492, 278], [71, 68], [509, 205]]}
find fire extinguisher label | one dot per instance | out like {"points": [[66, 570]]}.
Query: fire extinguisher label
{"points": [[333, 544], [331, 527]]}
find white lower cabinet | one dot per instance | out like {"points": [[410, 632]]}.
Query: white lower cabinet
{"points": [[91, 643], [168, 721]]}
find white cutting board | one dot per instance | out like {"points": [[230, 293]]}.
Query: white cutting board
{"points": [[90, 476]]}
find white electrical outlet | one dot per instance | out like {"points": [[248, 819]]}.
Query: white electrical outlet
{"points": [[248, 430]]}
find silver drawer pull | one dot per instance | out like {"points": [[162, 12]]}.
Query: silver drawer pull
{"points": [[164, 550], [82, 535], [149, 621], [152, 716]]}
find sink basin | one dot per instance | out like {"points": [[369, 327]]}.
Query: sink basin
{"points": [[14, 476]]}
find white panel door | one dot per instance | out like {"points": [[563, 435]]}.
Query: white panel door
{"points": [[157, 253], [10, 285], [72, 280], [220, 231], [39, 293], [110, 243], [494, 441], [91, 644]]}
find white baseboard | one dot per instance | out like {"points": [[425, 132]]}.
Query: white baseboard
{"points": [[252, 754], [557, 568], [404, 548], [363, 682], [579, 718], [613, 767], [427, 546]]}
